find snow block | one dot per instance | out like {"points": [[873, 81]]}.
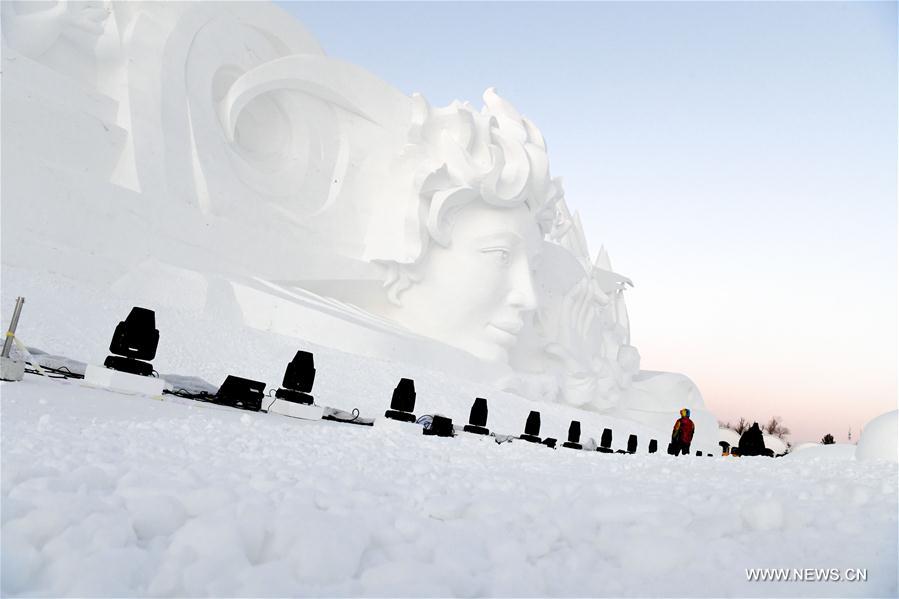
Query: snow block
{"points": [[296, 410], [11, 370], [403, 426], [123, 382]]}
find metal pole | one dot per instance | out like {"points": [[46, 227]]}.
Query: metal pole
{"points": [[7, 343]]}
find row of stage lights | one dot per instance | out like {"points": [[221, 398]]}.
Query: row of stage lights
{"points": [[402, 406], [136, 339]]}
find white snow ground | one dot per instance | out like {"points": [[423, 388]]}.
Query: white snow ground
{"points": [[111, 495]]}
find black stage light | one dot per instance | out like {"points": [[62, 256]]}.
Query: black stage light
{"points": [[532, 428], [135, 339], [403, 402], [300, 373], [605, 442], [298, 379], [653, 446], [477, 420], [240, 393], [441, 426], [294, 396], [632, 444], [574, 436]]}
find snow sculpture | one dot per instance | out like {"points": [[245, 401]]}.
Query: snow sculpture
{"points": [[460, 219], [62, 35], [879, 438], [299, 194]]}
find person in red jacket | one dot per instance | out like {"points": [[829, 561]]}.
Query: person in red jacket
{"points": [[682, 435]]}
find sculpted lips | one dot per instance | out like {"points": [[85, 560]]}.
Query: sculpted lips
{"points": [[505, 332]]}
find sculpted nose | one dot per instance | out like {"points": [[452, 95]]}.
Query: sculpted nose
{"points": [[522, 294]]}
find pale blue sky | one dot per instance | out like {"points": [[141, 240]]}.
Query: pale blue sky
{"points": [[738, 160]]}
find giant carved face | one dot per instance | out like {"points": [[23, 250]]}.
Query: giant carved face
{"points": [[474, 292], [462, 212]]}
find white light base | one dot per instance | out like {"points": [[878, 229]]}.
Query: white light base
{"points": [[107, 378], [296, 410], [11, 370], [397, 425]]}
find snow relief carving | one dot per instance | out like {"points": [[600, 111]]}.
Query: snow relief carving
{"points": [[460, 218], [300, 182]]}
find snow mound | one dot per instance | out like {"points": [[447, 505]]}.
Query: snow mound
{"points": [[803, 446], [775, 444], [878, 440], [812, 451]]}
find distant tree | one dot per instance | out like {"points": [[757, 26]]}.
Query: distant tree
{"points": [[827, 439], [776, 428]]}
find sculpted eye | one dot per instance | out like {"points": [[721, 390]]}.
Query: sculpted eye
{"points": [[502, 256]]}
